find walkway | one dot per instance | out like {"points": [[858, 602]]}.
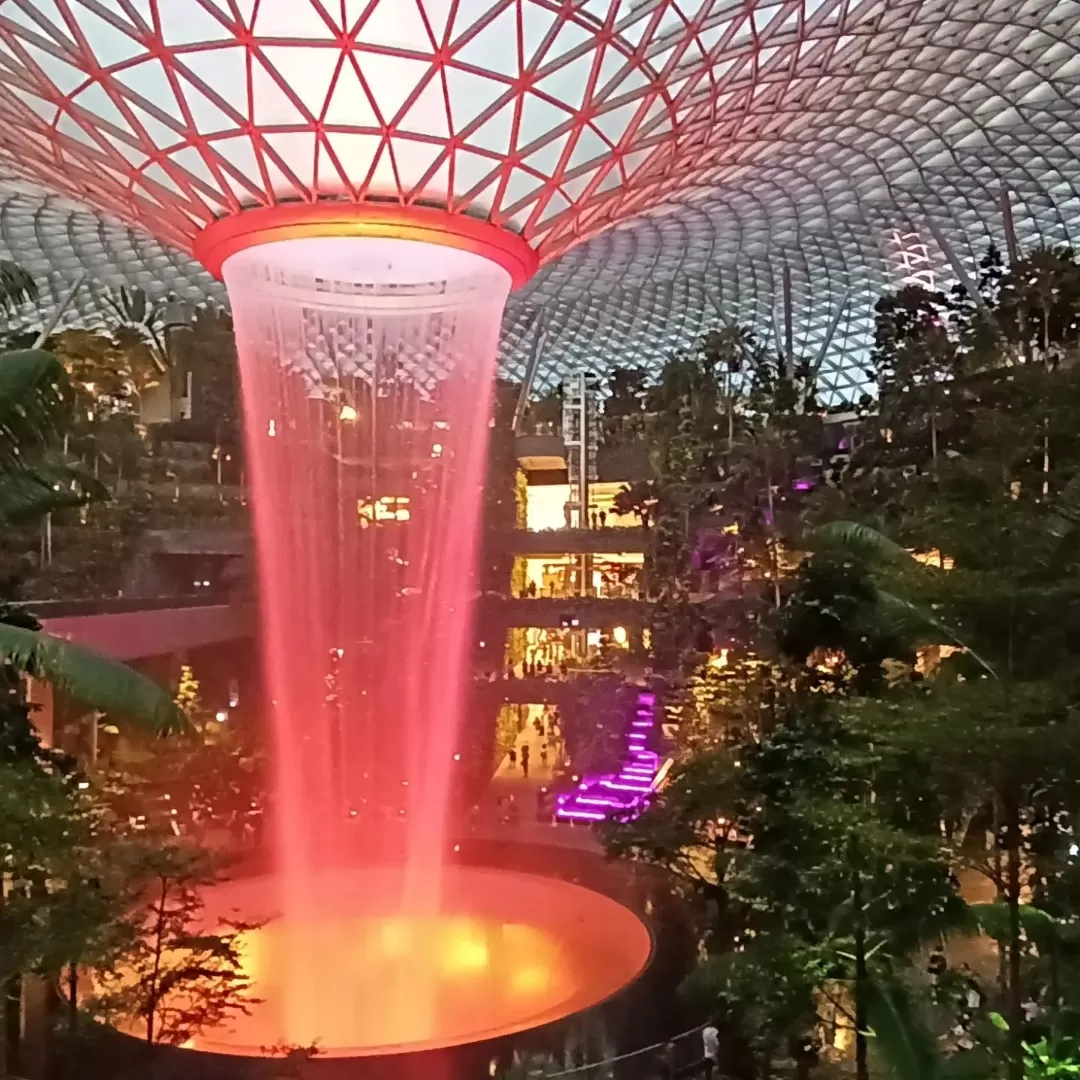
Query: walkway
{"points": [[602, 796], [134, 629]]}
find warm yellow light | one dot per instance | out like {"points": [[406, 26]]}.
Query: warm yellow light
{"points": [[388, 508], [545, 506], [348, 414], [465, 951], [719, 661], [619, 634], [530, 980], [394, 937]]}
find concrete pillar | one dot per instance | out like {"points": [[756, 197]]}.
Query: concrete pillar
{"points": [[39, 695]]}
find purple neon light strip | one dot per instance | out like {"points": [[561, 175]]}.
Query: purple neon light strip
{"points": [[636, 778]]}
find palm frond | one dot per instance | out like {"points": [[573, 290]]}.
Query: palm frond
{"points": [[902, 1037], [91, 678], [36, 401], [1038, 926], [905, 618], [27, 495], [17, 287], [861, 541]]}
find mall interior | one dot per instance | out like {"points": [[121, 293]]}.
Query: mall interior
{"points": [[539, 539]]}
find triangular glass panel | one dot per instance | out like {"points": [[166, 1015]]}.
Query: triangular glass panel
{"points": [[225, 70], [96, 101], [349, 104], [22, 12], [191, 24], [556, 204], [484, 199], [470, 169], [209, 119], [161, 135], [546, 158], [495, 47], [239, 152], [391, 79], [306, 71], [297, 20], [64, 76], [539, 118], [109, 44], [494, 134], [520, 186], [574, 188], [589, 147], [46, 110], [357, 153], [134, 155], [568, 83], [427, 114], [295, 150], [397, 25], [191, 161], [329, 180], [536, 24], [470, 95], [413, 159], [152, 86], [438, 187], [570, 37], [271, 106], [160, 175]]}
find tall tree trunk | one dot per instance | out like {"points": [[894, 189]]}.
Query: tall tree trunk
{"points": [[862, 1068], [1014, 996], [73, 1000], [12, 1036]]}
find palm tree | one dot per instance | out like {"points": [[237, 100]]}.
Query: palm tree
{"points": [[36, 400], [17, 287], [897, 572]]}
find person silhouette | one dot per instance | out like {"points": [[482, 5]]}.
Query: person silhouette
{"points": [[525, 760]]}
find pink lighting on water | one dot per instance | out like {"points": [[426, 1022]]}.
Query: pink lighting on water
{"points": [[508, 951], [353, 353]]}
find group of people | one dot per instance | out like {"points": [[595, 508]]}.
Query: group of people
{"points": [[546, 728], [543, 669]]}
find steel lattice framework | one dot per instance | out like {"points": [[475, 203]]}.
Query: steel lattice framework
{"points": [[673, 162]]}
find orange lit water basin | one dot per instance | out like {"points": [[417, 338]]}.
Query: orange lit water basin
{"points": [[355, 977]]}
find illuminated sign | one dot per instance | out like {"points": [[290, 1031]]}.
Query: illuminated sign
{"points": [[388, 508]]}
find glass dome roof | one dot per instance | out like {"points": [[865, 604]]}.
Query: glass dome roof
{"points": [[676, 163]]}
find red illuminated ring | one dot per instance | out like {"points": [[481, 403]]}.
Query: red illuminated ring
{"points": [[293, 221]]}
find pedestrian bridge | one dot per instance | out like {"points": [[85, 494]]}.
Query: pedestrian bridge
{"points": [[137, 628]]}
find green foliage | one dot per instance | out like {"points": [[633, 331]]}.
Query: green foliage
{"points": [[17, 286], [36, 402], [66, 889], [178, 976], [91, 678], [1052, 1059]]}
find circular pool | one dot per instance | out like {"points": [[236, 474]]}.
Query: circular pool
{"points": [[504, 952]]}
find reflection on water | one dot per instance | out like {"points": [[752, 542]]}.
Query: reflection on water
{"points": [[402, 980], [509, 952]]}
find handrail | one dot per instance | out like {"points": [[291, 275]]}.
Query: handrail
{"points": [[624, 1057]]}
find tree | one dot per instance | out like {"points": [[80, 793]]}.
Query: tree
{"points": [[66, 890], [36, 405], [178, 976], [17, 287], [36, 400]]}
